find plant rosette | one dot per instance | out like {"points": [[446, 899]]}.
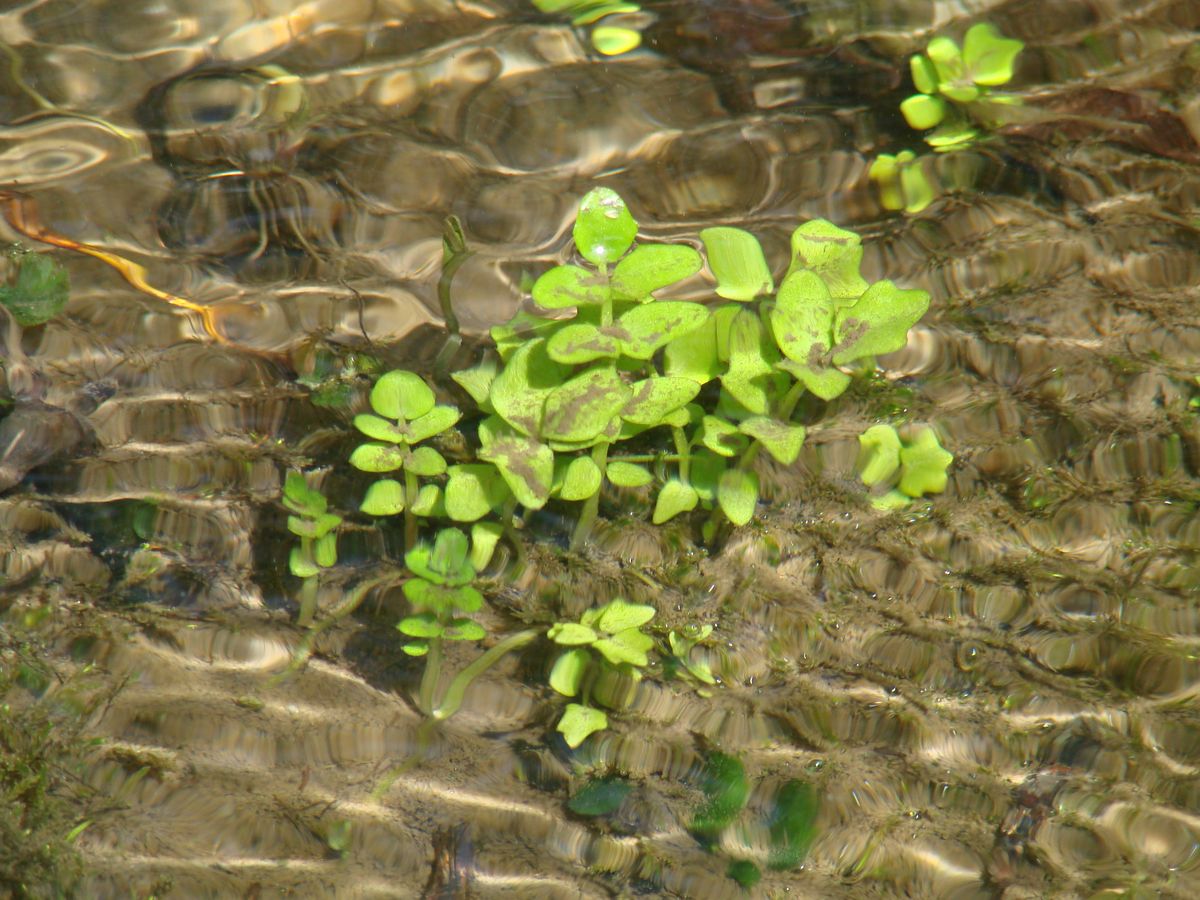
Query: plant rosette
{"points": [[905, 470]]}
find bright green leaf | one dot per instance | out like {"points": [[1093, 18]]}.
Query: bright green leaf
{"points": [[423, 625], [426, 503], [988, 56], [737, 262], [612, 40], [379, 429], [923, 465], [915, 187], [401, 395], [463, 629], [581, 343], [890, 501], [582, 407], [415, 648], [878, 322], [299, 497], [567, 674], [706, 471], [377, 457], [433, 422], [644, 329], [924, 75], [426, 462], [474, 490], [625, 647], [833, 253], [923, 111], [571, 634], [521, 329], [526, 465], [737, 492], [484, 538], [580, 721], [947, 60], [651, 267], [384, 498], [802, 320], [782, 440], [580, 479], [749, 361], [653, 398], [604, 229], [826, 383], [878, 455], [325, 550], [629, 475], [300, 561], [694, 355], [619, 615], [674, 498], [477, 381], [721, 437], [520, 391], [566, 286]]}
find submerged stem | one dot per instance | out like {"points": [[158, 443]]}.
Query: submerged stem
{"points": [[431, 676], [411, 489], [591, 506], [453, 697]]}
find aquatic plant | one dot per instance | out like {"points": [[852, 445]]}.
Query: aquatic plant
{"points": [[955, 85], [610, 40], [37, 288], [901, 181], [316, 527], [911, 468]]}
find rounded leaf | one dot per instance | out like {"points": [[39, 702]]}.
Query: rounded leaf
{"points": [[426, 462], [783, 440], [464, 629], [988, 56], [737, 262], [580, 479], [571, 634], [581, 343], [833, 253], [520, 391], [580, 721], [401, 395], [653, 398], [923, 111], [924, 75], [567, 286], [674, 498], [377, 457], [604, 228], [567, 674], [645, 328], [526, 465], [737, 492], [484, 538], [802, 320], [878, 454], [612, 40], [433, 422], [878, 322], [474, 490], [651, 267], [583, 407], [424, 625], [629, 475], [619, 615], [384, 498], [627, 647], [325, 550], [379, 429]]}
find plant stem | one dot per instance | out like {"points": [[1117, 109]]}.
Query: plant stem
{"points": [[308, 599], [682, 452], [591, 506], [431, 676], [411, 488], [453, 697]]}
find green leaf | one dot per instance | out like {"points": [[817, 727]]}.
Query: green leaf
{"points": [[571, 634], [445, 562], [737, 262], [580, 479], [721, 437], [580, 409], [653, 398], [878, 454], [39, 291], [705, 475], [782, 439], [694, 355], [300, 561], [726, 789], [426, 462], [422, 625], [674, 498], [947, 60], [566, 286], [793, 824], [651, 267], [989, 56], [377, 457], [923, 111], [923, 465], [629, 475], [477, 381], [831, 252], [580, 721], [520, 391], [961, 93], [619, 615], [325, 523], [600, 797], [581, 343], [415, 648], [433, 422], [877, 323], [526, 465], [384, 498], [521, 329], [299, 497], [567, 674], [625, 647], [891, 500], [802, 320], [917, 191], [474, 490], [484, 538], [426, 503], [589, 12], [956, 131], [748, 363], [380, 429], [826, 383], [737, 492], [426, 595], [612, 40], [604, 229], [924, 75], [643, 329], [463, 629], [401, 395], [885, 172], [325, 550]]}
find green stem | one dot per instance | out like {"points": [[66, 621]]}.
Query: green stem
{"points": [[411, 489], [682, 451], [606, 308], [454, 254], [453, 697], [591, 506], [431, 676], [308, 599]]}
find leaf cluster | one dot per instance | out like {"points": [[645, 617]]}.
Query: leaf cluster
{"points": [[440, 588], [952, 82], [311, 521], [609, 636], [902, 181], [904, 469]]}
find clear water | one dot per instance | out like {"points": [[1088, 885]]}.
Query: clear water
{"points": [[993, 695]]}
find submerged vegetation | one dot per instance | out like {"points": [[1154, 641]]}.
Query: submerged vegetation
{"points": [[605, 384]]}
